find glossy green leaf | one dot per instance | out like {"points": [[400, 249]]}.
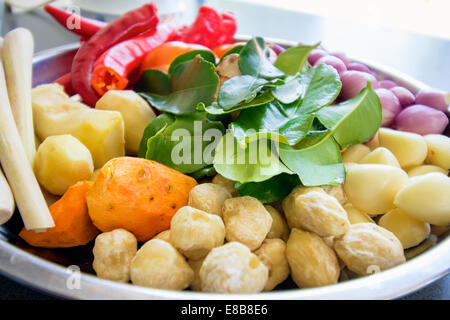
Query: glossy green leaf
{"points": [[238, 90], [191, 82], [353, 121], [207, 171], [157, 124], [320, 86], [274, 189], [187, 144], [254, 61], [205, 54], [252, 162], [290, 91], [317, 161], [154, 81], [292, 60], [273, 120], [215, 109], [237, 49]]}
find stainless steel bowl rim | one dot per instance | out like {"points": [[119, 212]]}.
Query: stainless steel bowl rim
{"points": [[58, 280]]}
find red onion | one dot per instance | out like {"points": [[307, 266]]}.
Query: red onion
{"points": [[432, 98], [358, 67], [391, 106], [405, 96], [353, 82], [315, 55], [421, 119], [341, 56], [332, 61], [277, 48], [387, 84]]}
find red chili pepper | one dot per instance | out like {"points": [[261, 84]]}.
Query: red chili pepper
{"points": [[66, 82], [114, 69], [143, 19], [87, 27], [209, 28]]}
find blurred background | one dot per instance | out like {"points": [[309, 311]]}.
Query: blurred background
{"points": [[412, 36]]}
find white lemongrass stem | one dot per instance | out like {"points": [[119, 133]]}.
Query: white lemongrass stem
{"points": [[6, 200], [18, 171], [17, 55]]}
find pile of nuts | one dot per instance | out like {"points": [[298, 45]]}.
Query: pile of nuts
{"points": [[396, 194]]}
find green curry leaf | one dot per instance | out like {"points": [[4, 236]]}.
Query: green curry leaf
{"points": [[252, 162], [292, 60], [191, 82]]}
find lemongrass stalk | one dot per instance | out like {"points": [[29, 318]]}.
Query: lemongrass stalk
{"points": [[17, 54], [18, 171], [6, 200]]}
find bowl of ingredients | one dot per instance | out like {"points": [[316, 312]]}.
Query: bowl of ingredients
{"points": [[153, 161]]}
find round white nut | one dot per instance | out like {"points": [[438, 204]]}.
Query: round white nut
{"points": [[273, 254], [372, 187], [246, 221], [163, 235], [194, 232], [279, 229], [318, 212], [232, 268], [426, 198], [208, 197], [228, 184], [367, 246], [408, 230], [196, 284], [113, 252], [337, 192], [312, 262], [157, 264]]}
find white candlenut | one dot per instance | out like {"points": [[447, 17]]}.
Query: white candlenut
{"points": [[409, 148], [426, 198], [381, 155], [312, 262], [196, 284], [246, 221], [279, 227], [314, 210], [163, 235], [113, 252], [157, 264], [194, 232], [438, 150], [273, 254], [337, 192], [367, 247], [208, 197], [228, 184], [355, 153], [373, 187], [408, 230], [233, 268]]}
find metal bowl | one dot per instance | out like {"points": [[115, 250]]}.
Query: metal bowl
{"points": [[47, 270]]}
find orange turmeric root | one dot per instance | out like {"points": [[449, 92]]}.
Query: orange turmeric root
{"points": [[138, 195], [73, 226]]}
